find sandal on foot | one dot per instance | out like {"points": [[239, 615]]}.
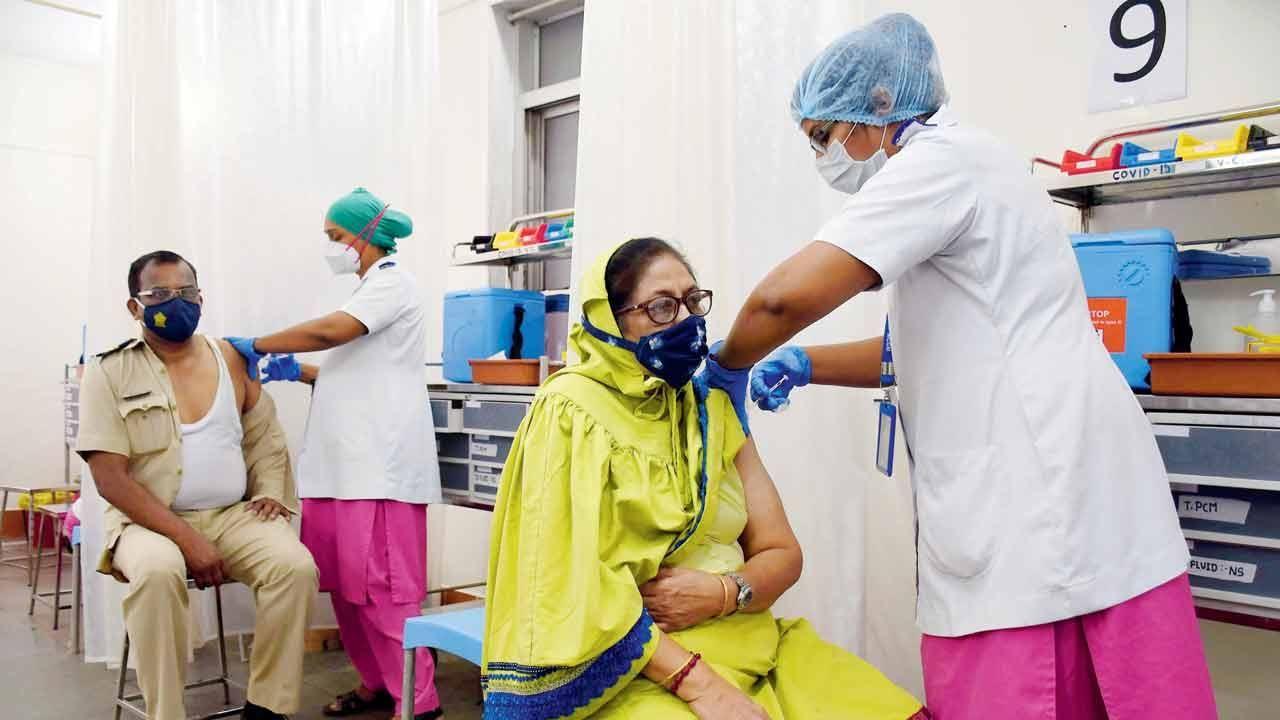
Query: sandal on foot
{"points": [[351, 703]]}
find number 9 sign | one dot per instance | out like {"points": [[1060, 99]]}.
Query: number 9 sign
{"points": [[1139, 52]]}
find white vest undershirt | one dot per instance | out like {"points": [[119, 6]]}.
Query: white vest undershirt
{"points": [[213, 471]]}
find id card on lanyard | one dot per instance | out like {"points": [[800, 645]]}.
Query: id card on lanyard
{"points": [[887, 420]]}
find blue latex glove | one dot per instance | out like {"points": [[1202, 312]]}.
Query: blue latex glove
{"points": [[281, 367], [733, 382], [774, 377], [252, 358]]}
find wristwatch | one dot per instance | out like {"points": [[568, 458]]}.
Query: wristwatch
{"points": [[745, 593]]}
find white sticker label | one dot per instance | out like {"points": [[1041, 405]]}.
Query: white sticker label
{"points": [[484, 449], [473, 404], [1180, 431], [1148, 156], [1191, 544], [1206, 148], [1184, 487], [1223, 569], [1138, 54], [1203, 507], [1086, 164], [486, 470]]}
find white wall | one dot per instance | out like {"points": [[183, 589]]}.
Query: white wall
{"points": [[48, 97], [477, 142]]}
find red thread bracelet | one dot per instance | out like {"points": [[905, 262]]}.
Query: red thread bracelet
{"points": [[684, 672]]}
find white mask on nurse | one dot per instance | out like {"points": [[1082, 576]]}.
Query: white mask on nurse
{"points": [[845, 174], [342, 258]]}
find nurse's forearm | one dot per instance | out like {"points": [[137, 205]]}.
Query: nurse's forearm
{"points": [[799, 292], [853, 364], [323, 333], [309, 373]]}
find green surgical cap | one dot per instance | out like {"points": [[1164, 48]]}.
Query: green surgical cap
{"points": [[355, 211]]}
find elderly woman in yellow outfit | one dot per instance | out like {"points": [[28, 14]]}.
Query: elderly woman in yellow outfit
{"points": [[638, 542]]}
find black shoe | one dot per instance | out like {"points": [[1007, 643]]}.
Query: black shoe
{"points": [[431, 715], [257, 712]]}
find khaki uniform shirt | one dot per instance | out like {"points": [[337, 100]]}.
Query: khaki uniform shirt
{"points": [[128, 407]]}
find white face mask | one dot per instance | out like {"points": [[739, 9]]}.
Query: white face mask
{"points": [[845, 174], [342, 258]]}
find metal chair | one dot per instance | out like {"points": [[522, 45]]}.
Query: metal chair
{"points": [[128, 702], [55, 514]]}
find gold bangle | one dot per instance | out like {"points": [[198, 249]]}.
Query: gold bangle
{"points": [[666, 683], [727, 606], [667, 680]]}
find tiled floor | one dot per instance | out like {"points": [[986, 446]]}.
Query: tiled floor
{"points": [[40, 680]]}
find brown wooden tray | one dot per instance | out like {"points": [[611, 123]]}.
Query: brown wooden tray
{"points": [[1215, 374]]}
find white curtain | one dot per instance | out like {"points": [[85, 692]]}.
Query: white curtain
{"points": [[686, 134], [227, 128]]}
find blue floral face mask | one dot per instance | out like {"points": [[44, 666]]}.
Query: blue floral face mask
{"points": [[673, 354]]}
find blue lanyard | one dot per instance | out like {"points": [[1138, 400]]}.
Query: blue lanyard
{"points": [[887, 378]]}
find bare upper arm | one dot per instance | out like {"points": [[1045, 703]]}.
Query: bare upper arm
{"points": [[247, 391], [816, 280], [105, 465], [343, 326], [767, 525]]}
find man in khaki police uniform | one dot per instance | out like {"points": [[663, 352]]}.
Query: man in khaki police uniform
{"points": [[192, 459]]}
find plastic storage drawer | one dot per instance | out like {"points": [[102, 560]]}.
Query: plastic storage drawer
{"points": [[1207, 452], [484, 483], [1231, 511], [446, 415], [1235, 569], [482, 416], [490, 448], [455, 478], [454, 446]]}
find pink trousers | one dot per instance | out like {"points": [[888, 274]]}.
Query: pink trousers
{"points": [[371, 555], [1141, 659]]}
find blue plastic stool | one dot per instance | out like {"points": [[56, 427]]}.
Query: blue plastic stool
{"points": [[77, 590], [457, 632]]}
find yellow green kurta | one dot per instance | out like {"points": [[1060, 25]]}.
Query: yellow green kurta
{"points": [[607, 481]]}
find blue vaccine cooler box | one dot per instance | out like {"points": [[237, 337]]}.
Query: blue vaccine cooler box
{"points": [[1128, 277], [479, 324]]}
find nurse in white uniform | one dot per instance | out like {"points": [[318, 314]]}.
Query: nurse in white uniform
{"points": [[1051, 570], [368, 466]]}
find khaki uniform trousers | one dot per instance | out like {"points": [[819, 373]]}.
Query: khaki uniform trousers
{"points": [[265, 556]]}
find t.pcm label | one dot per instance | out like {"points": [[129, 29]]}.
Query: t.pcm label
{"points": [[1223, 569], [1204, 507]]}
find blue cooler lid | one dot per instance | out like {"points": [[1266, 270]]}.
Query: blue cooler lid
{"points": [[558, 303], [1149, 236], [503, 293]]}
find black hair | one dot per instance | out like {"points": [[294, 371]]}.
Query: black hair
{"points": [[159, 257], [626, 265]]}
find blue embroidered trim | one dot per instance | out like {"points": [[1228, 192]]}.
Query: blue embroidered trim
{"points": [[595, 678], [702, 477]]}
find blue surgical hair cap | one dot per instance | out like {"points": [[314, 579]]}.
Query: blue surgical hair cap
{"points": [[883, 72]]}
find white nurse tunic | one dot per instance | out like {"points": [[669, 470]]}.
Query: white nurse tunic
{"points": [[369, 434], [1039, 489]]}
